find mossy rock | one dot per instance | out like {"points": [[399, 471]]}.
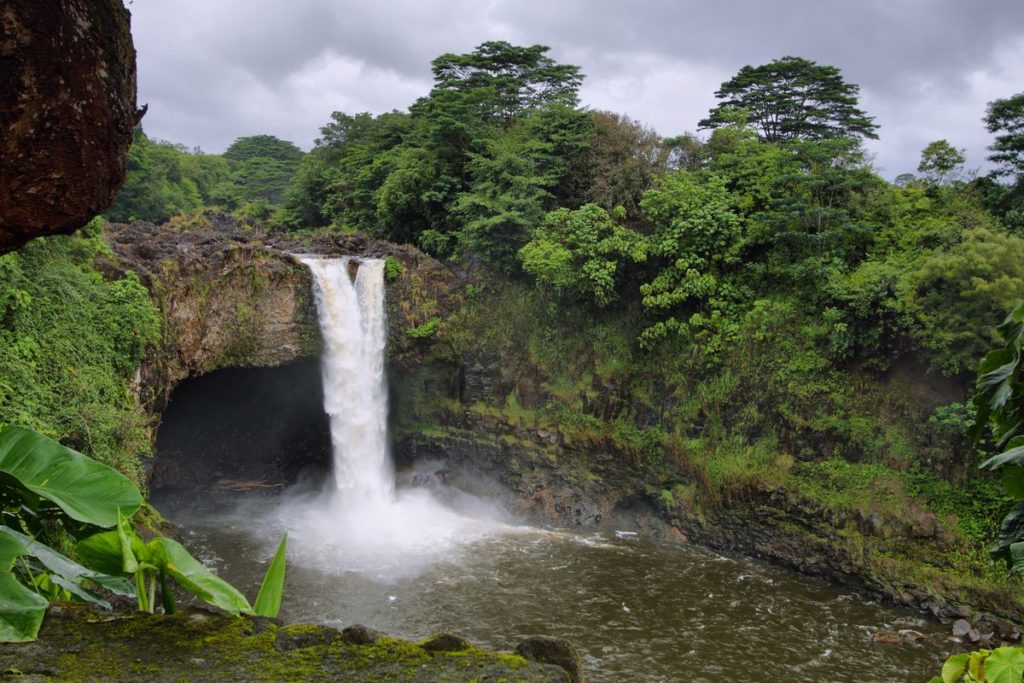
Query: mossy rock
{"points": [[80, 643]]}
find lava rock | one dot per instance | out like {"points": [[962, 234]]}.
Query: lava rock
{"points": [[558, 651], [297, 637], [67, 110], [446, 642], [357, 634], [961, 627], [886, 638]]}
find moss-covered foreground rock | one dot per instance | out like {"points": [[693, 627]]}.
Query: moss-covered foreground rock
{"points": [[78, 643]]}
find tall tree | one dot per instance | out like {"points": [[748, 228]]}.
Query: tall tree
{"points": [[263, 146], [1006, 117], [501, 82], [941, 162], [792, 98]]}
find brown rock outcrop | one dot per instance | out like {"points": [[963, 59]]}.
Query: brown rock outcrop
{"points": [[67, 109]]}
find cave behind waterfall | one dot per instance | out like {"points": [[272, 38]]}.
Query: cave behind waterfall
{"points": [[244, 428]]}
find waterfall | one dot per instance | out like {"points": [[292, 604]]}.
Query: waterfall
{"points": [[360, 522], [352, 324]]}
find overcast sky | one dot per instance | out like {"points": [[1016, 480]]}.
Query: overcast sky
{"points": [[214, 70]]}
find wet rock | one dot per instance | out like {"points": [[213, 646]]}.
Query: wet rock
{"points": [[81, 643], [557, 651], [298, 637], [961, 627], [357, 634], [446, 642], [886, 638], [547, 436], [908, 635]]}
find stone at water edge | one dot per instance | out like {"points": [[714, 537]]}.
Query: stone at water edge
{"points": [[446, 642], [357, 634], [558, 651]]}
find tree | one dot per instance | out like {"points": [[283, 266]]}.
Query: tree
{"points": [[581, 253], [620, 164], [501, 82], [941, 162], [267, 146], [792, 98], [503, 204], [697, 233], [1006, 117]]}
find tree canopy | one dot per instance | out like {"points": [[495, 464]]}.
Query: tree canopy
{"points": [[941, 162], [792, 98], [1005, 117], [502, 82]]}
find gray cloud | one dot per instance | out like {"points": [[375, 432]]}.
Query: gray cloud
{"points": [[212, 71]]}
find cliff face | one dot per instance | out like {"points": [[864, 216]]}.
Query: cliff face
{"points": [[232, 297], [227, 301]]}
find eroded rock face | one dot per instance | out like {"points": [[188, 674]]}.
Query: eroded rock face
{"points": [[67, 109], [226, 299], [232, 297]]}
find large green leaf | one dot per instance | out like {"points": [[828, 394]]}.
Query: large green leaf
{"points": [[1011, 531], [954, 668], [173, 559], [103, 552], [1013, 456], [21, 610], [70, 571], [1013, 481], [83, 488], [1005, 665], [268, 600]]}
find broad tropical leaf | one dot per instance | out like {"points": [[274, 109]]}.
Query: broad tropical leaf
{"points": [[268, 600], [1011, 531], [21, 610], [175, 560], [84, 489], [69, 572], [102, 552], [1013, 456], [954, 668], [1005, 665]]}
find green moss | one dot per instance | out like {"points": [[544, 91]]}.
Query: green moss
{"points": [[80, 644]]}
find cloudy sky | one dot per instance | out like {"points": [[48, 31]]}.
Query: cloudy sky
{"points": [[214, 70]]}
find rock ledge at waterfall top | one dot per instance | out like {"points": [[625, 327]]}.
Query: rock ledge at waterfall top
{"points": [[236, 297]]}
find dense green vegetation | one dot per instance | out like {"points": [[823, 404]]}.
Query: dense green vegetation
{"points": [[71, 340], [165, 179]]}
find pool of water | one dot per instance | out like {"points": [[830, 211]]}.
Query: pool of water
{"points": [[636, 609]]}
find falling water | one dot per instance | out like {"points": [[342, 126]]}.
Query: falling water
{"points": [[355, 392], [361, 522]]}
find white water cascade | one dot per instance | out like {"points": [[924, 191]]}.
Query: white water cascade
{"points": [[360, 522], [355, 390]]}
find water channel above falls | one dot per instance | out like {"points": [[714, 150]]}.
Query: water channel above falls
{"points": [[404, 562]]}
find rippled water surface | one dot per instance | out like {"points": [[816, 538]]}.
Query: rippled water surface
{"points": [[637, 610]]}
